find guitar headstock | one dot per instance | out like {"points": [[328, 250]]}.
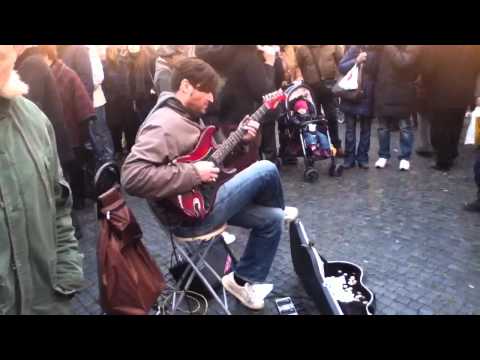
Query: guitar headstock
{"points": [[272, 100]]}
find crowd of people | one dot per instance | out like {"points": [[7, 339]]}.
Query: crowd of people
{"points": [[65, 110]]}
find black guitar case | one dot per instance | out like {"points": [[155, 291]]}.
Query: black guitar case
{"points": [[313, 270]]}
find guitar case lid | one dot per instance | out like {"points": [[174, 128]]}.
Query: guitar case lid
{"points": [[312, 269]]}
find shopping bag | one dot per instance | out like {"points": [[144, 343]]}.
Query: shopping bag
{"points": [[350, 86], [473, 131], [350, 80]]}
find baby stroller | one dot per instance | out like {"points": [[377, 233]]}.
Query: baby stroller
{"points": [[303, 132]]}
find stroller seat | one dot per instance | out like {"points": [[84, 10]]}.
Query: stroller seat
{"points": [[295, 126]]}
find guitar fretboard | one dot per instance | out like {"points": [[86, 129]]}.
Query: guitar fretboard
{"points": [[235, 138]]}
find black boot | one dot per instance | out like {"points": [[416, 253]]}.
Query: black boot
{"points": [[76, 225], [442, 166], [473, 206]]}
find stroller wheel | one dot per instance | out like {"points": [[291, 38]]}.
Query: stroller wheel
{"points": [[336, 170], [310, 175], [308, 163]]}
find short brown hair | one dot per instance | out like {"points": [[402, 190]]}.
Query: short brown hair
{"points": [[199, 73]]}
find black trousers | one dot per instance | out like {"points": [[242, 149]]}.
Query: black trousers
{"points": [[122, 119], [327, 101], [269, 141], [75, 174], [445, 130]]}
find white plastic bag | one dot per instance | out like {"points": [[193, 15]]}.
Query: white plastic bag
{"points": [[350, 80], [472, 136]]}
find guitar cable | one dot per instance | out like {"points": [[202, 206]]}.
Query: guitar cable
{"points": [[160, 308]]}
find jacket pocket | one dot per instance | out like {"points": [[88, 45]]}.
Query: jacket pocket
{"points": [[47, 166]]}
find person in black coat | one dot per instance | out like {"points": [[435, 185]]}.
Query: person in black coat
{"points": [[44, 93], [395, 97], [449, 74], [121, 118], [248, 78], [268, 146], [451, 79]]}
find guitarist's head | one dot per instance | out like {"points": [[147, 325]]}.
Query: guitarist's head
{"points": [[195, 83]]}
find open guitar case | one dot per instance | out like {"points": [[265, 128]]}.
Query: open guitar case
{"points": [[313, 269]]}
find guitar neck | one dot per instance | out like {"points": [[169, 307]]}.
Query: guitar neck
{"points": [[235, 138]]}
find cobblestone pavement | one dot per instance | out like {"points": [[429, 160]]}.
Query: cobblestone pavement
{"points": [[419, 249]]}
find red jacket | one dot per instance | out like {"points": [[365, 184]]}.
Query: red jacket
{"points": [[77, 104]]}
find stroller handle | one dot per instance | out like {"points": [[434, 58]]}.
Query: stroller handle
{"points": [[317, 121]]}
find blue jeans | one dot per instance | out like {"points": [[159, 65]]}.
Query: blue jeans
{"points": [[316, 138], [101, 138], [406, 137], [252, 199], [360, 154]]}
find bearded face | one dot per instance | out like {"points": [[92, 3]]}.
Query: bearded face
{"points": [[10, 83], [13, 87]]}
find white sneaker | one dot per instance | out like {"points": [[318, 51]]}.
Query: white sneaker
{"points": [[291, 213], [381, 163], [404, 165], [246, 294]]}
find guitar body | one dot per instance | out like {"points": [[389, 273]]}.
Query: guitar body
{"points": [[337, 287], [198, 202]]}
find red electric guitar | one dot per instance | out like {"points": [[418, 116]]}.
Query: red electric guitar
{"points": [[198, 202]]}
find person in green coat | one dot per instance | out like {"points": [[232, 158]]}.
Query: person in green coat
{"points": [[40, 261]]}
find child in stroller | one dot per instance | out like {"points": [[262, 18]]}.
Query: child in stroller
{"points": [[316, 141], [304, 132]]}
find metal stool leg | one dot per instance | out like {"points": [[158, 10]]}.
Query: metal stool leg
{"points": [[188, 269], [197, 254], [202, 277], [214, 273]]}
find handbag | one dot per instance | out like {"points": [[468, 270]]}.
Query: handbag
{"points": [[129, 279], [352, 95]]}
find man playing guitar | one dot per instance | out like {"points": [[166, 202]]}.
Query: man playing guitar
{"points": [[252, 199]]}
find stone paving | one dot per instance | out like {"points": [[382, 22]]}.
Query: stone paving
{"points": [[419, 249]]}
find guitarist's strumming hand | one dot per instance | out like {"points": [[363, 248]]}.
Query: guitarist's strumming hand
{"points": [[250, 127], [207, 170]]}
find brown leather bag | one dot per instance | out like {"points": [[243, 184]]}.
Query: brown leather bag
{"points": [[130, 281]]}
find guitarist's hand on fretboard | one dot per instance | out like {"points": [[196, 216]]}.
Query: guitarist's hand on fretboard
{"points": [[207, 170], [250, 127]]}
